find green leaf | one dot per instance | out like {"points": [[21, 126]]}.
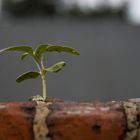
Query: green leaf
{"points": [[24, 55], [56, 67], [40, 50], [47, 48], [27, 75], [27, 49], [62, 49]]}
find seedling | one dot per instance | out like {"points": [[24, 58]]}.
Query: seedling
{"points": [[37, 56]]}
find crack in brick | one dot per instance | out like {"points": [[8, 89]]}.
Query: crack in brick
{"points": [[40, 128], [133, 123]]}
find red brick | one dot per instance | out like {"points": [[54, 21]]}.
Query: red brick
{"points": [[16, 121], [87, 121]]}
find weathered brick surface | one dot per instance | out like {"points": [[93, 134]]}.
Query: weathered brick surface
{"points": [[87, 121], [16, 121], [61, 120]]}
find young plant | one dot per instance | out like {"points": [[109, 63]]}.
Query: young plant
{"points": [[37, 56]]}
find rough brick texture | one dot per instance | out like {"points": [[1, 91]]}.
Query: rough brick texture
{"points": [[87, 121], [16, 121], [70, 120]]}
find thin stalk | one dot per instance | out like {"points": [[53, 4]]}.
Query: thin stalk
{"points": [[43, 76], [44, 90]]}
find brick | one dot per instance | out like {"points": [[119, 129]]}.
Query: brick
{"points": [[61, 120], [87, 121], [16, 121]]}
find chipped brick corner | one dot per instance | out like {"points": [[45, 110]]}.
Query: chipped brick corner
{"points": [[62, 120]]}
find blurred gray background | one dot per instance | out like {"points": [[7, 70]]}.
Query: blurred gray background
{"points": [[106, 32]]}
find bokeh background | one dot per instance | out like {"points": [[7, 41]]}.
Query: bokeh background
{"points": [[106, 32]]}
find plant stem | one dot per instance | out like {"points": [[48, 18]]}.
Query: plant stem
{"points": [[43, 76], [44, 90]]}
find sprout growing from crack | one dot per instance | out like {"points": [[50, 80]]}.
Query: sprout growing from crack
{"points": [[37, 56]]}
